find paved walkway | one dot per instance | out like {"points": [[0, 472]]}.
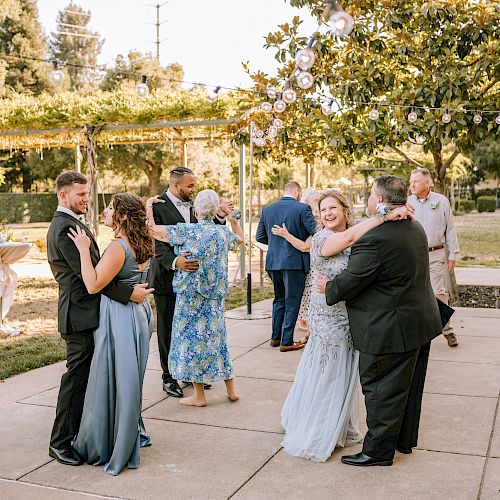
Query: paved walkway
{"points": [[232, 450]]}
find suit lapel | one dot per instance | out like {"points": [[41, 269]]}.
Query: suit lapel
{"points": [[93, 247], [171, 207]]}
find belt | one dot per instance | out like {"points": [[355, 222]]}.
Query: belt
{"points": [[431, 249]]}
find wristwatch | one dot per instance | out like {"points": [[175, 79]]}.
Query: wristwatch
{"points": [[235, 214], [382, 211]]}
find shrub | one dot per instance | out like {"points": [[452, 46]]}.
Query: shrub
{"points": [[486, 204], [465, 205]]}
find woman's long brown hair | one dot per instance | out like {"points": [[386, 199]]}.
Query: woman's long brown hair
{"points": [[130, 218]]}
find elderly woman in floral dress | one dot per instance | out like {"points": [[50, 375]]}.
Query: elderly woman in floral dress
{"points": [[199, 350]]}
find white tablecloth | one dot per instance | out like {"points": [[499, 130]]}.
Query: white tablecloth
{"points": [[10, 252]]}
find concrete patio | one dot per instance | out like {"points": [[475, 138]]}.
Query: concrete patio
{"points": [[232, 450]]}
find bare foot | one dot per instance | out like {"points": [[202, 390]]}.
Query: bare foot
{"points": [[192, 401], [233, 396]]}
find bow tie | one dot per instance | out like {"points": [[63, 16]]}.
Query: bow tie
{"points": [[187, 204]]}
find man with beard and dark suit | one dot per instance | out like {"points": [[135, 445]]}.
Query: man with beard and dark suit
{"points": [[176, 209], [393, 317], [78, 311]]}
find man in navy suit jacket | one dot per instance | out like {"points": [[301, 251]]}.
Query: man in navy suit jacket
{"points": [[286, 266]]}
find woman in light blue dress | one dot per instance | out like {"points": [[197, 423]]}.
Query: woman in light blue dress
{"points": [[199, 352], [321, 409], [111, 430]]}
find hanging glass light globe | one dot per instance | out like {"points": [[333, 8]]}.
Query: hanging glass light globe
{"points": [[497, 119], [420, 139], [56, 76], [278, 122], [272, 93], [477, 118], [341, 22], [266, 107], [305, 58], [259, 134], [289, 95], [446, 118], [279, 106], [259, 141], [326, 109], [374, 113], [305, 80], [412, 116], [272, 131], [142, 89]]}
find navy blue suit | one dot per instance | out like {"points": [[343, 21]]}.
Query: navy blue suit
{"points": [[286, 266]]}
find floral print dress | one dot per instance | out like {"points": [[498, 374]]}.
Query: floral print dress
{"points": [[199, 352]]}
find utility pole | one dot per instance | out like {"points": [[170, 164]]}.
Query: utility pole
{"points": [[158, 24]]}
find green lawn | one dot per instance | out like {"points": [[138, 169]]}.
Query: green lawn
{"points": [[35, 312]]}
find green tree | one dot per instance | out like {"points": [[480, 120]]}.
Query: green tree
{"points": [[486, 157], [74, 43], [21, 38], [435, 54]]}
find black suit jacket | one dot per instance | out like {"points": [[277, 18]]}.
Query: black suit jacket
{"points": [[160, 270], [77, 309], [387, 289]]}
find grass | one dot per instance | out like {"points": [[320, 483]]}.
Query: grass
{"points": [[34, 312]]}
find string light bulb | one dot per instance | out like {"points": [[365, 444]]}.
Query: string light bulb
{"points": [[374, 113], [305, 80], [56, 76], [272, 131], [497, 119], [326, 109], [272, 93], [142, 89], [289, 95], [259, 134], [477, 119], [266, 107], [341, 23], [446, 118], [214, 95], [278, 122], [305, 58], [279, 106], [412, 116]]}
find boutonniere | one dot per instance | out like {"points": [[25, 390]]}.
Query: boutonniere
{"points": [[434, 205]]}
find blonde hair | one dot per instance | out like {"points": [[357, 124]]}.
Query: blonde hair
{"points": [[348, 212]]}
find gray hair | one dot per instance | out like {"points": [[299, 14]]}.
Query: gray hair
{"points": [[206, 204], [308, 194], [392, 188]]}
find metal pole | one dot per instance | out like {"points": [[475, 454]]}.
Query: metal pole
{"points": [[250, 186], [241, 183], [308, 174], [78, 159]]}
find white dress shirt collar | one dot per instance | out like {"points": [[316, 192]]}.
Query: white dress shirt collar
{"points": [[68, 211]]}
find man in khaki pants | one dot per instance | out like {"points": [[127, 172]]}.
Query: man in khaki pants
{"points": [[433, 211]]}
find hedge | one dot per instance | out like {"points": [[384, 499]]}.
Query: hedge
{"points": [[486, 204], [465, 205], [17, 208]]}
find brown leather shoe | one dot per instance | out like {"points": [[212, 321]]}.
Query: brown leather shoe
{"points": [[452, 339], [274, 343], [294, 347]]}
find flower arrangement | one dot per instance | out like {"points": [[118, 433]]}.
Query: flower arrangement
{"points": [[434, 205]]}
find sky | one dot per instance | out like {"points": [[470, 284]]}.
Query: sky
{"points": [[209, 38]]}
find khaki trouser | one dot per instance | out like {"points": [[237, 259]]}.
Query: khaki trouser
{"points": [[439, 267]]}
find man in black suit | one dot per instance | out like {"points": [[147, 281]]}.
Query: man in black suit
{"points": [[393, 317], [78, 311], [176, 209]]}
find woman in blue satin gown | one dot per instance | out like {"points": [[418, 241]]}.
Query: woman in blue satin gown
{"points": [[111, 430]]}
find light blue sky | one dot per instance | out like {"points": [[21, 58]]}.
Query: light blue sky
{"points": [[209, 38]]}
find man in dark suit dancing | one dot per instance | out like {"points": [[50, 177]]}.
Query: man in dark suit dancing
{"points": [[176, 209], [393, 317], [78, 311], [286, 266]]}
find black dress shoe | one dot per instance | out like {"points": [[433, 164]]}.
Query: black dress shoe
{"points": [[205, 386], [173, 389], [406, 451], [362, 460], [66, 456]]}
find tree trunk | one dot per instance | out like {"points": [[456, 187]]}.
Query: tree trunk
{"points": [[439, 174], [154, 175]]}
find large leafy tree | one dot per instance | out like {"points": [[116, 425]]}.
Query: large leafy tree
{"points": [[21, 43], [74, 43], [435, 54]]}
